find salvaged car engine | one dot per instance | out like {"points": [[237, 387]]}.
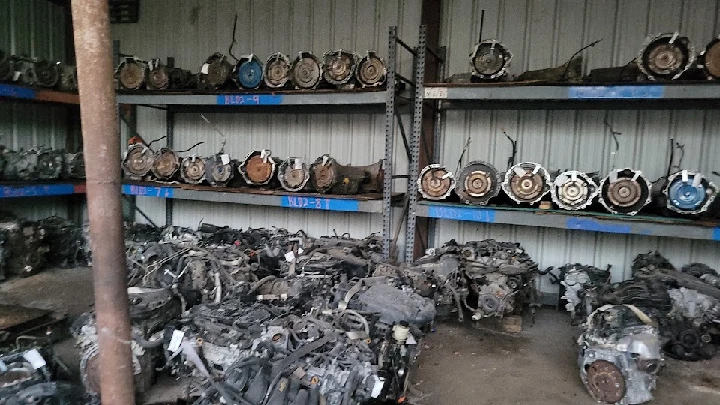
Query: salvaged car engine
{"points": [[579, 282], [620, 355]]}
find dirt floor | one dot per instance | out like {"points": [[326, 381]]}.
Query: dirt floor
{"points": [[459, 363]]}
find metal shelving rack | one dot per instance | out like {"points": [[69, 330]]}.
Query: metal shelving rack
{"points": [[317, 101], [640, 96], [14, 93]]}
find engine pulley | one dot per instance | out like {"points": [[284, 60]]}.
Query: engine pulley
{"points": [[477, 183], [339, 66], [130, 73], [215, 72], [48, 73], [490, 60], [277, 70], [526, 183], [689, 192], [435, 182], [138, 161], [219, 169], [248, 72], [306, 71], [293, 174], [192, 169], [371, 70], [573, 190], [709, 59], [258, 167], [665, 56], [165, 164], [625, 191]]}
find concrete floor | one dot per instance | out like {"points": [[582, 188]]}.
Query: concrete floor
{"points": [[459, 364]]}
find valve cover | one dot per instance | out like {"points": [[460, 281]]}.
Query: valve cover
{"points": [[138, 161], [339, 66], [293, 174], [625, 191], [306, 71], [490, 59], [165, 164], [277, 70], [435, 182], [665, 56], [192, 169], [248, 72], [689, 192], [477, 183], [573, 190], [526, 183], [371, 70]]}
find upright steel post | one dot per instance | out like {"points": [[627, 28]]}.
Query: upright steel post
{"points": [[101, 142], [389, 141], [415, 144], [170, 132]]}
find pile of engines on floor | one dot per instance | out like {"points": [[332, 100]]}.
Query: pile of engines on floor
{"points": [[36, 72], [628, 325], [622, 191], [340, 68], [40, 164], [666, 56], [265, 317], [27, 247], [258, 168]]}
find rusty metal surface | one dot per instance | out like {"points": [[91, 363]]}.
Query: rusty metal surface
{"points": [[101, 145], [15, 315], [606, 382]]}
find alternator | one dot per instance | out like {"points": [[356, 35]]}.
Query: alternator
{"points": [[371, 70], [192, 169], [306, 71], [526, 182], [219, 170], [435, 182], [215, 72], [47, 73], [248, 72], [573, 190], [293, 174], [49, 164], [689, 192], [665, 56], [477, 183], [277, 70], [709, 59], [490, 60], [165, 164], [258, 167], [130, 73], [339, 66], [625, 191], [138, 161]]}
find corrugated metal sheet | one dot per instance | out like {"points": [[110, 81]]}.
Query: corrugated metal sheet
{"points": [[192, 30], [546, 33], [34, 28]]}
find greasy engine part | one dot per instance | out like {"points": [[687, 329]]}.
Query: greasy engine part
{"points": [[20, 370], [490, 60], [192, 169], [46, 393], [20, 165], [47, 73], [138, 161], [165, 164], [477, 183], [324, 174], [24, 247], [578, 280], [49, 164], [219, 169], [215, 72], [374, 175], [665, 56], [689, 192], [435, 182], [624, 191], [68, 77], [66, 242], [709, 59], [162, 77], [371, 70], [328, 176], [627, 73], [573, 190], [339, 66], [570, 71], [258, 167], [526, 182], [74, 167], [306, 71], [277, 70], [7, 69], [293, 174], [248, 72], [619, 355], [130, 73], [24, 71]]}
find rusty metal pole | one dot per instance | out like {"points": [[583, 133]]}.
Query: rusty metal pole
{"points": [[101, 144]]}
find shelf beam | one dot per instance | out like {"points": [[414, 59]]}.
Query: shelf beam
{"points": [[12, 92], [40, 190]]}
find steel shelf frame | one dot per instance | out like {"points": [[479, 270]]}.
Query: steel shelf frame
{"points": [[318, 101], [15, 93]]}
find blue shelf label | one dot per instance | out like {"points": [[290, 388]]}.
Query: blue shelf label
{"points": [[249, 99], [7, 90], [616, 92], [319, 203], [36, 191], [588, 224], [148, 191], [462, 214]]}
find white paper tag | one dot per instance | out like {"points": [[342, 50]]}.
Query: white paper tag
{"points": [[35, 359], [204, 68], [3, 367], [300, 251], [377, 387], [298, 164], [289, 256], [16, 76], [436, 92], [411, 339], [225, 159], [176, 340]]}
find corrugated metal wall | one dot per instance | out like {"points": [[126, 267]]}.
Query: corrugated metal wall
{"points": [[190, 31], [545, 33], [35, 28]]}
